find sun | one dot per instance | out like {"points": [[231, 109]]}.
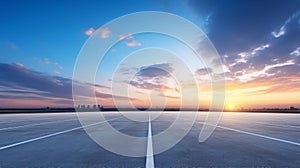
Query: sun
{"points": [[230, 107]]}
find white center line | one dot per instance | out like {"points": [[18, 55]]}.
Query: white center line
{"points": [[257, 135], [28, 125], [51, 135], [149, 158]]}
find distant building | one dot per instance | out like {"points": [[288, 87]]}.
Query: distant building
{"points": [[100, 107]]}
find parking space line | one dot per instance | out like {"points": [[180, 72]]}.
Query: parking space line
{"points": [[51, 135]]}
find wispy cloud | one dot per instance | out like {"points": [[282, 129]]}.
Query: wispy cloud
{"points": [[248, 75], [125, 36], [133, 43], [254, 51], [57, 67], [296, 52], [244, 56], [203, 71], [283, 29], [279, 33], [56, 72], [104, 32], [18, 65], [129, 40]]}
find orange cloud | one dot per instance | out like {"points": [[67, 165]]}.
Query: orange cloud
{"points": [[104, 32], [133, 43], [89, 31], [126, 36]]}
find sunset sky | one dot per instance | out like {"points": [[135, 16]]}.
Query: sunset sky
{"points": [[257, 40]]}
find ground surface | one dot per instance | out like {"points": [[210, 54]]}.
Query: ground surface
{"points": [[240, 140]]}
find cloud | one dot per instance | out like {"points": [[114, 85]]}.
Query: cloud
{"points": [[252, 63], [110, 96], [15, 77], [155, 77], [89, 31], [234, 26], [248, 75], [243, 55], [169, 96], [57, 67], [126, 36], [296, 52], [260, 48], [276, 58], [104, 32], [261, 53], [281, 32], [56, 72], [156, 70], [204, 71], [19, 65], [133, 43], [283, 28], [19, 84], [154, 84], [129, 40], [46, 61]]}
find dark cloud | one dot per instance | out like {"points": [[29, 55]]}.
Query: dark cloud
{"points": [[204, 71], [149, 85], [109, 96], [156, 70], [236, 25], [18, 82], [16, 76], [153, 77]]}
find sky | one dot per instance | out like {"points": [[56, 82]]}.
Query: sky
{"points": [[258, 42]]}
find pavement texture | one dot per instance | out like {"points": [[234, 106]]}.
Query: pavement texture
{"points": [[240, 140]]}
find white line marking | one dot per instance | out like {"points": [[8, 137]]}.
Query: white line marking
{"points": [[269, 124], [149, 158], [279, 125], [28, 125], [51, 135], [257, 135]]}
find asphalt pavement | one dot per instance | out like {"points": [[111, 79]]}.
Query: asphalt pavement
{"points": [[240, 140]]}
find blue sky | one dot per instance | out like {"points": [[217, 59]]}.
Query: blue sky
{"points": [[35, 30], [258, 41]]}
